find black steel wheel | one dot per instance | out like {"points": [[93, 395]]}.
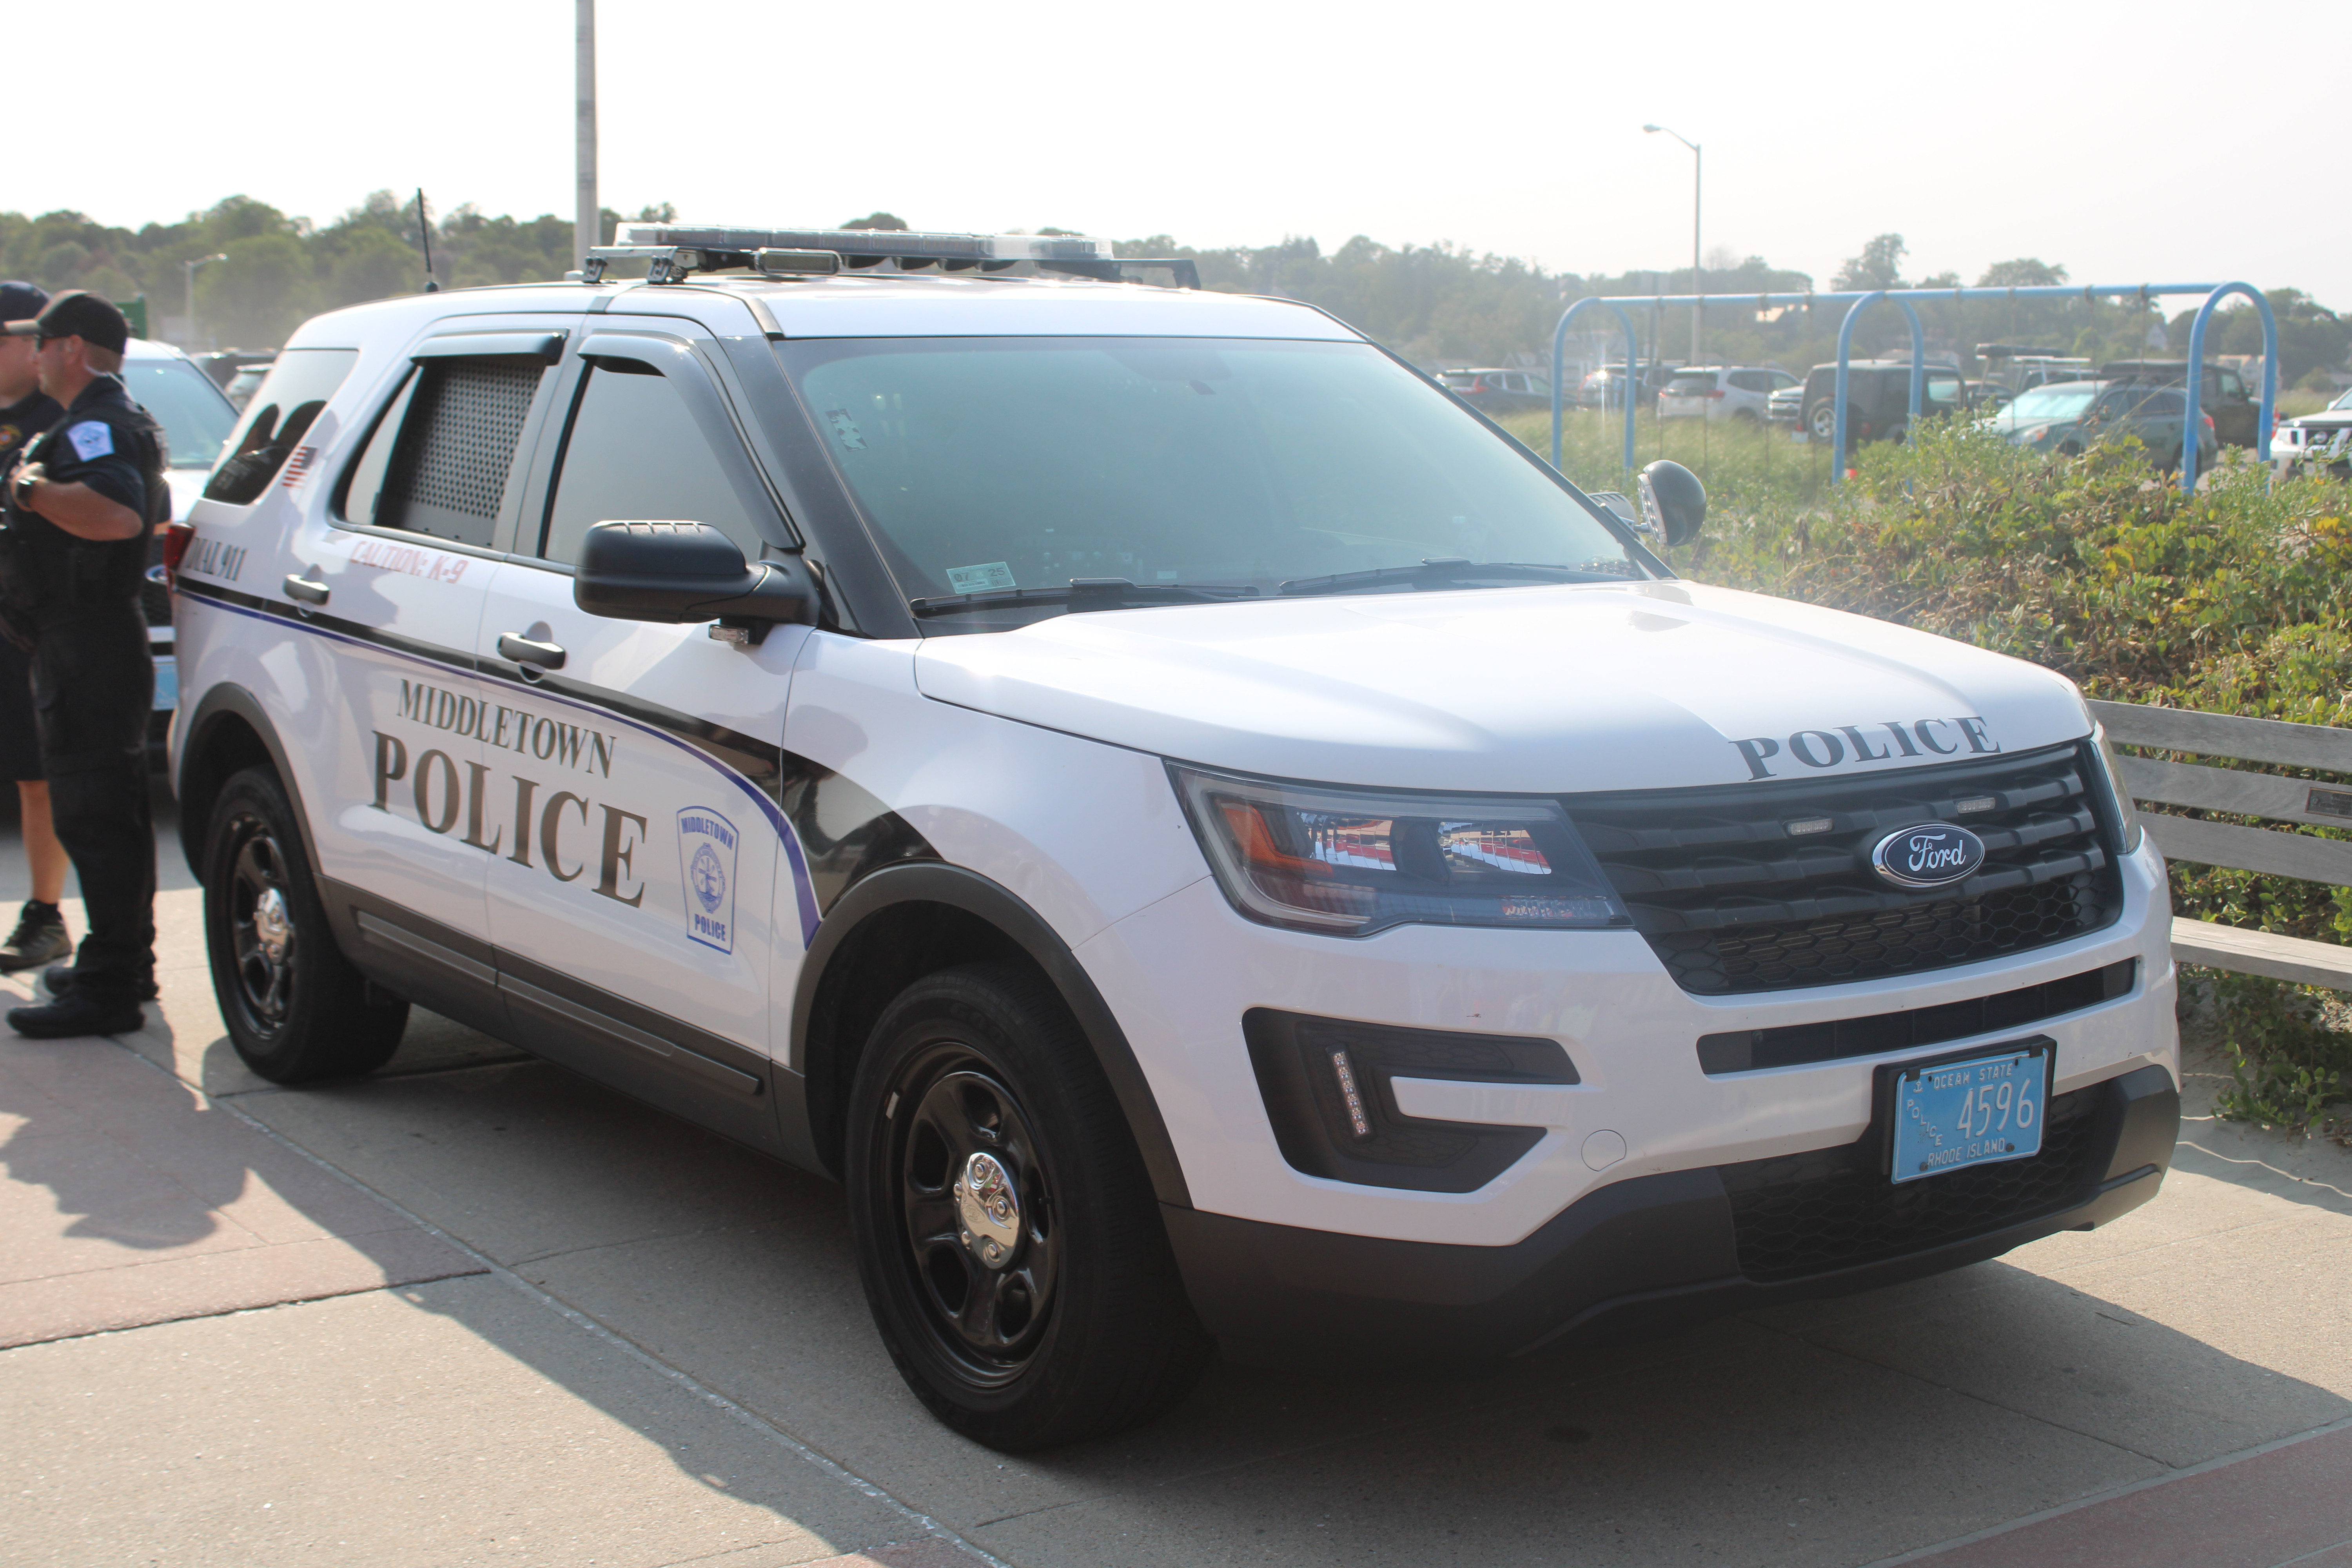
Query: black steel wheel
{"points": [[296, 1009], [1007, 1235]]}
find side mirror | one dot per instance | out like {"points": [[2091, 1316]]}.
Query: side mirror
{"points": [[1672, 502], [679, 573]]}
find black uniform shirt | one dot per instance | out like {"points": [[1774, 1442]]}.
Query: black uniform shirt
{"points": [[96, 451], [20, 421]]}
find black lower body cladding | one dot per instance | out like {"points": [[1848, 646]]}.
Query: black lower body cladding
{"points": [[1657, 1252]]}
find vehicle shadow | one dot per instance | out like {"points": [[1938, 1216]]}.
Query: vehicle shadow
{"points": [[1829, 1432]]}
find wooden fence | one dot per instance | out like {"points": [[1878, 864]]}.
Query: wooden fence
{"points": [[2319, 747]]}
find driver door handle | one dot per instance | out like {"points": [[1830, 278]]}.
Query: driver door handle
{"points": [[524, 650], [307, 591]]}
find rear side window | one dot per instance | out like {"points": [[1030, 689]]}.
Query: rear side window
{"points": [[439, 459], [275, 419], [1939, 389], [636, 450], [1750, 380]]}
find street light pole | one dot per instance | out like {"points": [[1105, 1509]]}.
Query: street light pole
{"points": [[1697, 286], [586, 220], [189, 268]]}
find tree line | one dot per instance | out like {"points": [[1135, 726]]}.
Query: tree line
{"points": [[1433, 303]]}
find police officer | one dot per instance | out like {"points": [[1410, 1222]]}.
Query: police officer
{"points": [[25, 411], [83, 501]]}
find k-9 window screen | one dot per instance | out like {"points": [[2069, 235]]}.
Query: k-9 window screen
{"points": [[987, 464]]}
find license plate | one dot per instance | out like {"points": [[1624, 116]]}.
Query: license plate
{"points": [[1973, 1112]]}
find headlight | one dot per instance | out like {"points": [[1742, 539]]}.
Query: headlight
{"points": [[2033, 438], [1348, 862], [2125, 813]]}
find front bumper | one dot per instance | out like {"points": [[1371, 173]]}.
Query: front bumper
{"points": [[1655, 1252]]}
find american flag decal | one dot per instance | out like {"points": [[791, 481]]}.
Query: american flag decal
{"points": [[297, 467]]}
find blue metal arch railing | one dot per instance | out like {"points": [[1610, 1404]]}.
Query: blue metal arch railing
{"points": [[1856, 299], [1632, 375], [2196, 378]]}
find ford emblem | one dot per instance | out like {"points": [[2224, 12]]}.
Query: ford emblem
{"points": [[1931, 855]]}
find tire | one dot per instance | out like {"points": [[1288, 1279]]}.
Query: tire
{"points": [[1076, 1325], [296, 1009], [1823, 422]]}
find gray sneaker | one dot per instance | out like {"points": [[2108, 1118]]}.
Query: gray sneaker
{"points": [[40, 939]]}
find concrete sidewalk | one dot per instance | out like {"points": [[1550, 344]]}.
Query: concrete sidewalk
{"points": [[474, 1309]]}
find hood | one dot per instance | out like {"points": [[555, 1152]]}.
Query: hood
{"points": [[1538, 690]]}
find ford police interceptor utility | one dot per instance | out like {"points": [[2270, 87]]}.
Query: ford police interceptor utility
{"points": [[1205, 835]]}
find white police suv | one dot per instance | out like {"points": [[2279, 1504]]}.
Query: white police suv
{"points": [[1204, 835]]}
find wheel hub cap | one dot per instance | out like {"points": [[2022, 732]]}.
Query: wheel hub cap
{"points": [[989, 1208], [272, 927]]}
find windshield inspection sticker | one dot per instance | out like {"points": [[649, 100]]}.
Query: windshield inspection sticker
{"points": [[980, 579], [1888, 740], [706, 860], [845, 429]]}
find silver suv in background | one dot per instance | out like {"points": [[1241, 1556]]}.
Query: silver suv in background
{"points": [[1722, 392]]}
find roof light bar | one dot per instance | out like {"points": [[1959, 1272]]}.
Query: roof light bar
{"points": [[672, 252], [897, 245]]}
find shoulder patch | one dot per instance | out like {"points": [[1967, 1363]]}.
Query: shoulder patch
{"points": [[92, 440]]}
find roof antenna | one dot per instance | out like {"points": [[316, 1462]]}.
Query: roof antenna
{"points": [[425, 233]]}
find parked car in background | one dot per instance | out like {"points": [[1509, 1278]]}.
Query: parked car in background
{"points": [[1604, 387], [2015, 368], [1721, 392], [1498, 391], [2322, 440], [1878, 399], [2222, 394], [2067, 419], [222, 364], [241, 386], [196, 420], [1787, 406], [1986, 395]]}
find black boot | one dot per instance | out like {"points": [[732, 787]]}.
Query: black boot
{"points": [[40, 939], [59, 979], [77, 1014]]}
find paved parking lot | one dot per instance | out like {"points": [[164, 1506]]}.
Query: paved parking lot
{"points": [[474, 1310]]}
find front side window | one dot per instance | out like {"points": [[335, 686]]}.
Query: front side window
{"points": [[277, 418], [1239, 466], [635, 451]]}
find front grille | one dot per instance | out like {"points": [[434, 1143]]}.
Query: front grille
{"points": [[1732, 900], [1827, 1209]]}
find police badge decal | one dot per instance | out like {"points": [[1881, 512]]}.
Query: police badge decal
{"points": [[706, 863]]}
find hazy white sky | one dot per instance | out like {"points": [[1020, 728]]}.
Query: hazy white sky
{"points": [[2131, 143]]}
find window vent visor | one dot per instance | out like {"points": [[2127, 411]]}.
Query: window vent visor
{"points": [[1328, 1087]]}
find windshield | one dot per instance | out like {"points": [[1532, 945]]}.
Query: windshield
{"points": [[195, 415], [2063, 400], [2342, 402], [991, 464]]}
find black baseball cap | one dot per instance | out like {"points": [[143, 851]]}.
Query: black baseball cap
{"points": [[21, 301], [76, 314]]}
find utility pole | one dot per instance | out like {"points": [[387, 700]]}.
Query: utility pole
{"points": [[190, 270], [1697, 286], [587, 217]]}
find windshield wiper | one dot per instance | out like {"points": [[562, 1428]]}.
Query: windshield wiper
{"points": [[1083, 593], [1448, 571]]}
